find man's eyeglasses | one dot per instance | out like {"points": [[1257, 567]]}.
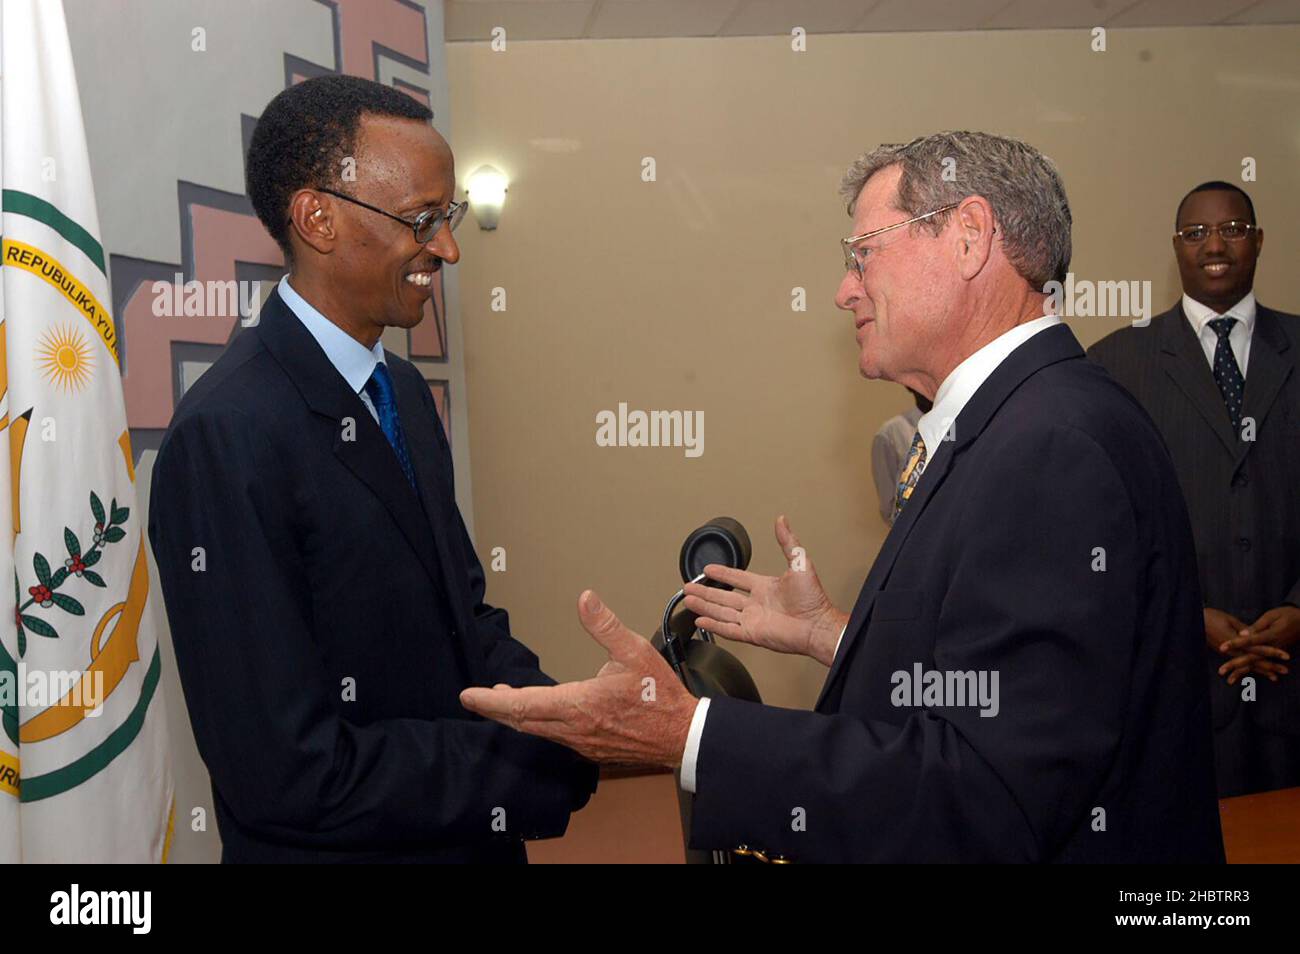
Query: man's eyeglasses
{"points": [[425, 225], [855, 257], [1234, 231]]}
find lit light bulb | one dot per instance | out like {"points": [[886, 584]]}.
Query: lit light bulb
{"points": [[486, 189]]}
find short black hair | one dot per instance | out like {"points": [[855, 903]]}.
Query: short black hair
{"points": [[303, 136], [1218, 185]]}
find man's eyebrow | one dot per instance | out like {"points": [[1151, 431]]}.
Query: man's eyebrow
{"points": [[418, 205]]}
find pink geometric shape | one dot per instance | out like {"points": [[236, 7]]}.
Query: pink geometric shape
{"points": [[427, 339], [220, 238], [439, 391], [363, 23]]}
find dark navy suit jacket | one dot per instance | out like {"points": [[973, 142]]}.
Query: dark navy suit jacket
{"points": [[322, 571], [1101, 747]]}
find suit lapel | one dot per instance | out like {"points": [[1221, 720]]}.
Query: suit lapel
{"points": [[936, 470], [1184, 361], [1047, 347], [436, 496], [1267, 370], [420, 443], [367, 454]]}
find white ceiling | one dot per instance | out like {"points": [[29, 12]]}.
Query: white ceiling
{"points": [[604, 19]]}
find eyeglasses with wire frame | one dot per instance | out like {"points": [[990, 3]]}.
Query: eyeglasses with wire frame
{"points": [[425, 225], [1233, 231], [852, 261]]}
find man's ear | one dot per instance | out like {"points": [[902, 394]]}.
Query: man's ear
{"points": [[975, 228], [312, 218]]}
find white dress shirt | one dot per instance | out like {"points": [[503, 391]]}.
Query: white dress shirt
{"points": [[1199, 317], [957, 388], [349, 356]]}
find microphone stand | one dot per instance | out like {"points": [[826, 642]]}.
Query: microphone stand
{"points": [[672, 647]]}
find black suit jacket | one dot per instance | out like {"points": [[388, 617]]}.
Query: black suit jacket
{"points": [[325, 618], [1243, 496], [993, 565]]}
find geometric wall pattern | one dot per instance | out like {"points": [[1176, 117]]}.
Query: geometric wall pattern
{"points": [[222, 240]]}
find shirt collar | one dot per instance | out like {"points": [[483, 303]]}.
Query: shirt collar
{"points": [[349, 356], [1200, 315], [964, 380]]}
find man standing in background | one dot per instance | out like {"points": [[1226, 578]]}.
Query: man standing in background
{"points": [[1218, 373]]}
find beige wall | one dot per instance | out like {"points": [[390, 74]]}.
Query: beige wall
{"points": [[676, 294]]}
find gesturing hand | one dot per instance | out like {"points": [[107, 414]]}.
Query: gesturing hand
{"points": [[634, 710], [789, 614]]}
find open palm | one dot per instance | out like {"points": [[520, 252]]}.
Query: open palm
{"points": [[788, 614]]}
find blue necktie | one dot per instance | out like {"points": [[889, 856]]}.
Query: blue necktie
{"points": [[380, 390]]}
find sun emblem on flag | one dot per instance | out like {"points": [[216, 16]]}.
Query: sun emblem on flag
{"points": [[66, 359]]}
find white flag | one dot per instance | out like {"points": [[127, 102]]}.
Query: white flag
{"points": [[83, 725]]}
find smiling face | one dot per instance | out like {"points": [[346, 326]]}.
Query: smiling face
{"points": [[900, 303], [370, 272], [403, 167], [1216, 273]]}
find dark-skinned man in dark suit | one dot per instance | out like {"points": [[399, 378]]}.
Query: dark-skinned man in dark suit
{"points": [[1220, 375], [1019, 680], [325, 601]]}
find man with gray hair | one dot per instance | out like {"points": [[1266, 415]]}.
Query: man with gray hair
{"points": [[1041, 553]]}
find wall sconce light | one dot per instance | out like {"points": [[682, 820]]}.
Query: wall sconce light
{"points": [[486, 189]]}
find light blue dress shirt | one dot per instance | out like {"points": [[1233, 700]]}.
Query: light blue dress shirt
{"points": [[349, 356]]}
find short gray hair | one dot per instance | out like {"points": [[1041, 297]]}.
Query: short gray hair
{"points": [[1019, 182]]}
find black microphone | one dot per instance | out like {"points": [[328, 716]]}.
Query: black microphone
{"points": [[721, 540], [702, 666]]}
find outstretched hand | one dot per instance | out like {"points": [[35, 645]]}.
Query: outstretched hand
{"points": [[634, 710], [788, 614]]}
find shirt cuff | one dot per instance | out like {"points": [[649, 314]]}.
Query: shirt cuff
{"points": [[693, 738], [838, 641]]}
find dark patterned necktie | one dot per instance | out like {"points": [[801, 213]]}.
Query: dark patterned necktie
{"points": [[380, 390], [1226, 373]]}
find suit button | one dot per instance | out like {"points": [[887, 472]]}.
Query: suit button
{"points": [[1241, 480], [1243, 544]]}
